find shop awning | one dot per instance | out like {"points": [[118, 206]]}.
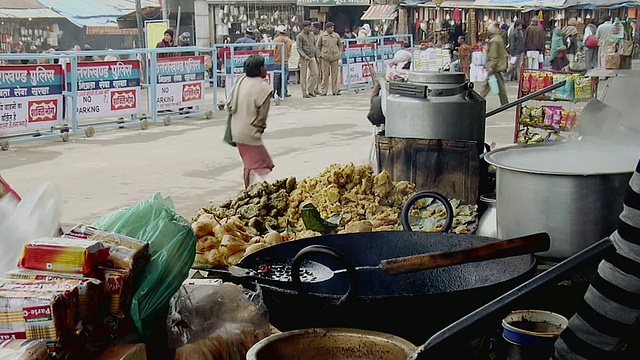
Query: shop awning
{"points": [[25, 9], [29, 14], [380, 12], [95, 13], [84, 12], [322, 3], [600, 4], [517, 4], [447, 4]]}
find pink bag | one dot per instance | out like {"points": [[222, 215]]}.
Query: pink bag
{"points": [[591, 42]]}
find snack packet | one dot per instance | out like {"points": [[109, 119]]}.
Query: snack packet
{"points": [[582, 90], [537, 117], [117, 286], [125, 252], [548, 114], [89, 289], [64, 255]]}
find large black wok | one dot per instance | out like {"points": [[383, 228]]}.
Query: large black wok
{"points": [[413, 306]]}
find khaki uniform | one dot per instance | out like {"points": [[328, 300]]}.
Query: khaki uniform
{"points": [[330, 49], [496, 64], [306, 46], [318, 63]]}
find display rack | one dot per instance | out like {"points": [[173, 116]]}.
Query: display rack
{"points": [[547, 114]]}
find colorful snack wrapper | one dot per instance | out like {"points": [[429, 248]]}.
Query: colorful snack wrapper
{"points": [[68, 289], [34, 315], [583, 91], [548, 114], [89, 289], [64, 255], [125, 252], [117, 286]]}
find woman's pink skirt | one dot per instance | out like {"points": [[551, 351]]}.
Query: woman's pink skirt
{"points": [[256, 159]]}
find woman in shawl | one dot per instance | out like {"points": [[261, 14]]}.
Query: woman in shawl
{"points": [[248, 106], [558, 50], [570, 33]]}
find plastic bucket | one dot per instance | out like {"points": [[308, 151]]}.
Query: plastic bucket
{"points": [[531, 334]]}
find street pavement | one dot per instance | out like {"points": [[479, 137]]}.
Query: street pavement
{"points": [[189, 161]]}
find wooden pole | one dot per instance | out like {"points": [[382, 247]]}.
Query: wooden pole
{"points": [[140, 24]]}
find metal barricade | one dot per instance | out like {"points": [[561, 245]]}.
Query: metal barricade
{"points": [[98, 89], [31, 98], [67, 91], [360, 60], [232, 57], [176, 82]]}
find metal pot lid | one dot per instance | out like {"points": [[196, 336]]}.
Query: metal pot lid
{"points": [[435, 77], [572, 158]]}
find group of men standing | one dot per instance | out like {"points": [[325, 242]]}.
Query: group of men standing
{"points": [[319, 49]]}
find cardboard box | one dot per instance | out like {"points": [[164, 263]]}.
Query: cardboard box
{"points": [[612, 61]]}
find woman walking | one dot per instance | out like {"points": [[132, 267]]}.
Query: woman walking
{"points": [[248, 108]]}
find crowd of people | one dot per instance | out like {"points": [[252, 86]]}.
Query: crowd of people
{"points": [[509, 48], [320, 52]]}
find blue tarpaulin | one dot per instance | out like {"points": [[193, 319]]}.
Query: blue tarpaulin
{"points": [[84, 12]]}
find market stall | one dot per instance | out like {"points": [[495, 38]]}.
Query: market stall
{"points": [[557, 113]]}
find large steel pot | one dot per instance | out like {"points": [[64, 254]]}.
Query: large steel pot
{"points": [[433, 105], [572, 191]]}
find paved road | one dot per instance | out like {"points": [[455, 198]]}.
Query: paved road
{"points": [[189, 161]]}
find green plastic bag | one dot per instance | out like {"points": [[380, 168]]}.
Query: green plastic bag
{"points": [[172, 244]]}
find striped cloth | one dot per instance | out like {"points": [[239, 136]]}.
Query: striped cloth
{"points": [[607, 322]]}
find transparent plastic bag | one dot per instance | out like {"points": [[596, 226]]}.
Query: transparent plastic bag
{"points": [[172, 244], [493, 85], [220, 318], [37, 215]]}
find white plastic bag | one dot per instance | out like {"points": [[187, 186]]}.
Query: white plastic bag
{"points": [[36, 216]]}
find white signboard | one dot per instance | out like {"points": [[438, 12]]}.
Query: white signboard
{"points": [[30, 97], [177, 95], [180, 82], [94, 104]]}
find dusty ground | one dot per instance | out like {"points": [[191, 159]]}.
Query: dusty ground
{"points": [[189, 161]]}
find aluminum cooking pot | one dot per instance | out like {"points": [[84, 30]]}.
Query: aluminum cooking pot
{"points": [[572, 191]]}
